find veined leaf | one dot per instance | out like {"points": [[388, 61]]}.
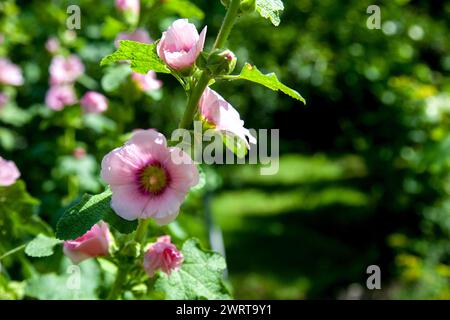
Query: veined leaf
{"points": [[78, 219], [41, 246], [200, 276], [142, 56], [270, 9], [270, 80]]}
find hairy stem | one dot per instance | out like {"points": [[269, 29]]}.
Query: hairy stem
{"points": [[204, 78], [121, 277], [227, 24]]}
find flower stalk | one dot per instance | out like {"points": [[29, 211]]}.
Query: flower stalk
{"points": [[191, 108]]}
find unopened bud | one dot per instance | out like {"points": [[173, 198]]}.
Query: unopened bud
{"points": [[221, 62]]}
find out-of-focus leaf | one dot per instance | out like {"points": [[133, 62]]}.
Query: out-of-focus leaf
{"points": [[143, 57], [112, 27], [17, 213], [11, 114], [115, 76], [41, 246], [184, 9], [200, 276], [72, 283]]}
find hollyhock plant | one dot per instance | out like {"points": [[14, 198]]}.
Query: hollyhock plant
{"points": [[221, 115], [94, 102], [58, 97], [147, 178], [181, 44], [146, 82], [94, 243], [65, 70], [8, 172], [138, 35], [10, 74], [164, 255]]}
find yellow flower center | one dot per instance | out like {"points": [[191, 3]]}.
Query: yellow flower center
{"points": [[153, 179]]}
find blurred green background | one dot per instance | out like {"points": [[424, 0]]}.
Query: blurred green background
{"points": [[364, 166]]}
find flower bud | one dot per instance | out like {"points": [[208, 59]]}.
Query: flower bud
{"points": [[221, 62], [181, 44], [93, 243], [162, 255]]}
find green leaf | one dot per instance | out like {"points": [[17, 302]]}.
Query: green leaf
{"points": [[270, 80], [235, 145], [78, 219], [13, 115], [200, 276], [41, 246], [184, 9], [18, 216], [270, 9], [114, 77], [70, 283], [143, 57]]}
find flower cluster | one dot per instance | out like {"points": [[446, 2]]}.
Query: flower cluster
{"points": [[64, 71]]}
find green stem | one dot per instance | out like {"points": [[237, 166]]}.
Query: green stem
{"points": [[121, 276], [141, 230], [12, 251], [227, 24], [193, 100], [185, 123], [204, 78]]}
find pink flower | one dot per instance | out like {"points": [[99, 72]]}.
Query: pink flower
{"points": [[146, 82], [217, 112], [93, 243], [65, 70], [94, 102], [8, 172], [3, 100], [162, 255], [147, 178], [52, 45], [132, 6], [139, 35], [10, 73], [180, 45], [58, 97]]}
